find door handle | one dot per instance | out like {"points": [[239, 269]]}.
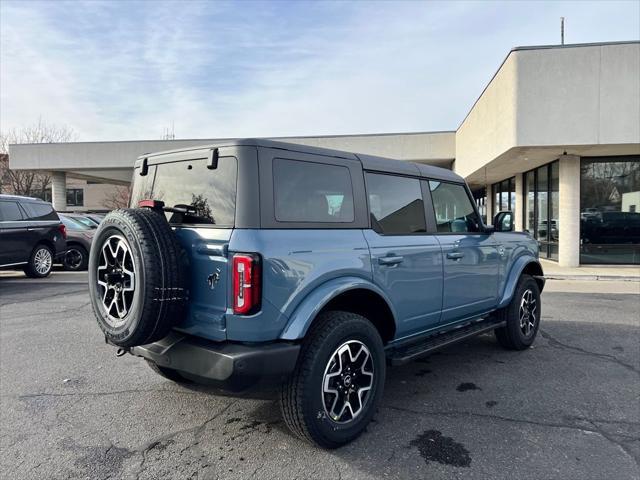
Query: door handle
{"points": [[390, 260], [455, 255]]}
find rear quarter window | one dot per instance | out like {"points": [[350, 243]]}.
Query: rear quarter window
{"points": [[39, 211], [312, 192]]}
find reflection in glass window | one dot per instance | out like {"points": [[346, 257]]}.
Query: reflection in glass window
{"points": [[453, 208], [142, 186], [312, 192], [199, 195], [395, 204], [542, 207], [9, 211], [609, 210], [504, 195]]}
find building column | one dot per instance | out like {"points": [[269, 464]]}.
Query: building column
{"points": [[59, 190], [489, 205], [518, 210], [569, 211]]}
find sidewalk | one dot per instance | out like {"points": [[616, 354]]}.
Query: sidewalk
{"points": [[622, 273]]}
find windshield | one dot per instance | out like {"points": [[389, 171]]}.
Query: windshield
{"points": [[72, 224], [86, 221], [196, 194]]}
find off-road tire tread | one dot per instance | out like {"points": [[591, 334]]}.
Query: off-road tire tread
{"points": [[506, 336], [163, 273], [291, 394]]}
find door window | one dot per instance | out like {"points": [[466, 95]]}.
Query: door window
{"points": [[453, 208], [312, 192], [10, 212], [395, 204]]}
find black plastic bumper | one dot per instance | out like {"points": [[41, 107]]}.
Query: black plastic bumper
{"points": [[233, 366]]}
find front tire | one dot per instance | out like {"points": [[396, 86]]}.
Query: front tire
{"points": [[40, 262], [522, 316], [76, 258], [338, 381]]}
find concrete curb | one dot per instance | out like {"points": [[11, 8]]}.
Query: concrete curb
{"points": [[605, 278]]}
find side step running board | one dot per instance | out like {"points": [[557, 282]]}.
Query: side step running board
{"points": [[404, 354]]}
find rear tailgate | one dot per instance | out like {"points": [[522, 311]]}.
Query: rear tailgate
{"points": [[207, 250]]}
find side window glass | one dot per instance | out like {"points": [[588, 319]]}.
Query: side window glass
{"points": [[40, 211], [453, 208], [312, 192], [10, 212], [395, 204]]}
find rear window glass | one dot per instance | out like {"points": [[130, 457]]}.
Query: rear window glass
{"points": [[199, 195], [9, 211], [40, 211], [73, 224], [312, 192]]}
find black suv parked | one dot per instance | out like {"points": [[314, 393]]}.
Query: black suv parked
{"points": [[31, 235]]}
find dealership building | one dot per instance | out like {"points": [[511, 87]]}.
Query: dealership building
{"points": [[554, 137]]}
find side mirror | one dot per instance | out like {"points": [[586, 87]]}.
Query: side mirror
{"points": [[503, 222]]}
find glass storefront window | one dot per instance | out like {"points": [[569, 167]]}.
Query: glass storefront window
{"points": [[504, 195], [610, 210], [480, 197], [542, 207]]}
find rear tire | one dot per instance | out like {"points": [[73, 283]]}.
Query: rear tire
{"points": [[167, 373], [522, 316], [40, 262], [342, 362]]}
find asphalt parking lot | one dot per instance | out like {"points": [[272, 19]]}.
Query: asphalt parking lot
{"points": [[566, 409]]}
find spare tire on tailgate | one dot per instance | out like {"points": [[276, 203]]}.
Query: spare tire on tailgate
{"points": [[136, 277]]}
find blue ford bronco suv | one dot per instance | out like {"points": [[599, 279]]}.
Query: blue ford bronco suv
{"points": [[256, 263]]}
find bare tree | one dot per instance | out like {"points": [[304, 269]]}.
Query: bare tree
{"points": [[29, 182], [118, 197]]}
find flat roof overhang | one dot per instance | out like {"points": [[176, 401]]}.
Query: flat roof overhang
{"points": [[113, 161], [522, 159]]}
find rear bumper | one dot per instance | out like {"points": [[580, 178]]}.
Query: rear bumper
{"points": [[232, 366]]}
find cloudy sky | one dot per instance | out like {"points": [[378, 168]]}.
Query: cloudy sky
{"points": [[128, 70]]}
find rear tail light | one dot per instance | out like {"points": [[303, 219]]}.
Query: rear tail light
{"points": [[63, 230], [246, 283]]}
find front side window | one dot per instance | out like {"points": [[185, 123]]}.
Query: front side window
{"points": [[199, 195], [395, 204], [9, 211], [312, 192], [453, 208]]}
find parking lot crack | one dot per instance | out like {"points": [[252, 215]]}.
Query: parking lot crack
{"points": [[571, 426], [553, 342]]}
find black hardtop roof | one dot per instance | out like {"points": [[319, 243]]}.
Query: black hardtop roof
{"points": [[369, 162]]}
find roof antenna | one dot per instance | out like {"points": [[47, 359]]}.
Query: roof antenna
{"points": [[561, 30]]}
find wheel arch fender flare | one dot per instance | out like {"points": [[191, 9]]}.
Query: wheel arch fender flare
{"points": [[306, 312], [525, 264]]}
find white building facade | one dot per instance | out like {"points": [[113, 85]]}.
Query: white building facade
{"points": [[554, 137]]}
